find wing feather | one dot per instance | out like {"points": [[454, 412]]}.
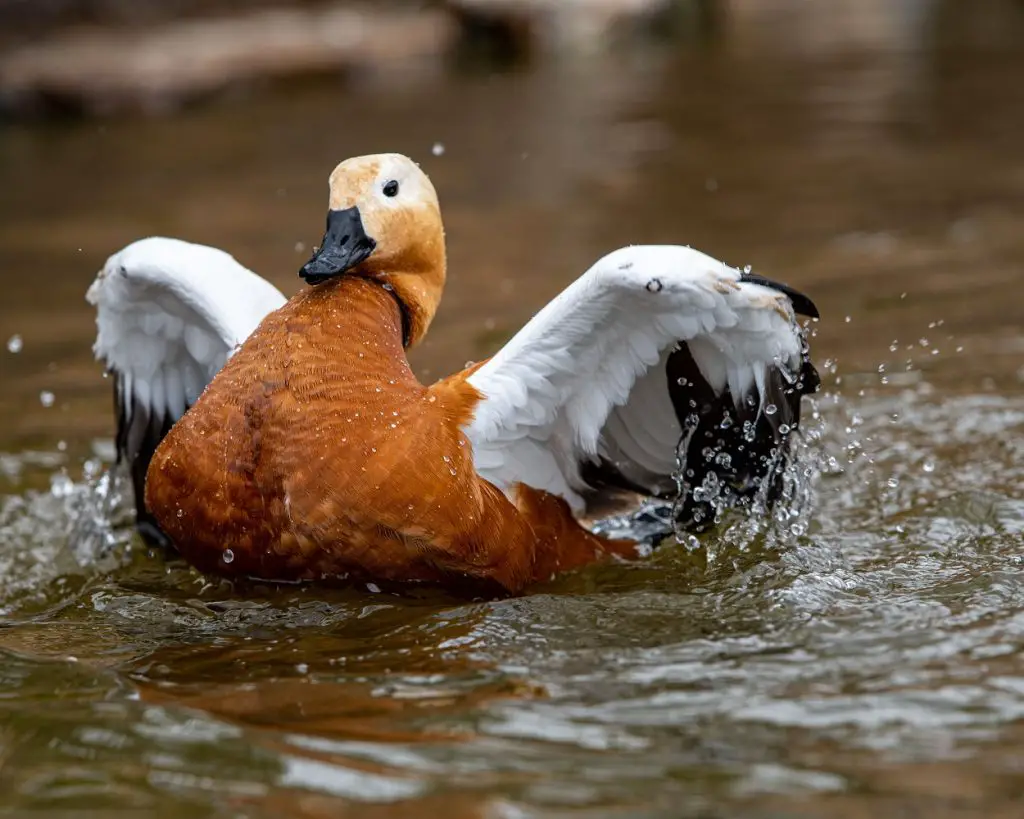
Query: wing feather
{"points": [[168, 314], [650, 341]]}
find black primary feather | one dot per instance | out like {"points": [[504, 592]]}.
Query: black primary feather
{"points": [[730, 451], [139, 432]]}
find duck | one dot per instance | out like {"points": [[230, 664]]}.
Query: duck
{"points": [[289, 440]]}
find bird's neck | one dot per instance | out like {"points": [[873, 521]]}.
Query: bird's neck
{"points": [[357, 320]]}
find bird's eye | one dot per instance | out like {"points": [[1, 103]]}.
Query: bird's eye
{"points": [[391, 188]]}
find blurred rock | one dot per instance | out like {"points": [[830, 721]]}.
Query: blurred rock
{"points": [[520, 26], [25, 20], [834, 27], [103, 70]]}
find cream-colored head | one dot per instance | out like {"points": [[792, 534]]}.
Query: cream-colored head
{"points": [[384, 223]]}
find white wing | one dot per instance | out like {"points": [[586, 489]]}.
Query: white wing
{"points": [[597, 389], [168, 314]]}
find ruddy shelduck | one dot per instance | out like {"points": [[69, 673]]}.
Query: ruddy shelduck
{"points": [[290, 440]]}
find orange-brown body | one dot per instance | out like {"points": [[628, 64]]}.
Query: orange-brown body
{"points": [[316, 452]]}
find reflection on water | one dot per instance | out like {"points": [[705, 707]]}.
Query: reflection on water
{"points": [[864, 664]]}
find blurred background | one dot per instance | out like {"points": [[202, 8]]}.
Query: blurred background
{"points": [[868, 152], [859, 149]]}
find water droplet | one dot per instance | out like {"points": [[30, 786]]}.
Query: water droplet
{"points": [[438, 149], [784, 429], [302, 668], [654, 286], [46, 398], [15, 344], [928, 466], [770, 409], [61, 485], [746, 269], [682, 381], [62, 446], [228, 556]]}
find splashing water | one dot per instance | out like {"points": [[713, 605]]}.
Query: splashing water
{"points": [[746, 519], [73, 529], [848, 616]]}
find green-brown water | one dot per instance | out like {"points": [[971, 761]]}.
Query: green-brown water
{"points": [[867, 663]]}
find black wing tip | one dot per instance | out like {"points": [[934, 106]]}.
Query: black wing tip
{"points": [[810, 380], [756, 465], [139, 433], [802, 304]]}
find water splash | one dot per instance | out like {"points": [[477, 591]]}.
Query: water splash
{"points": [[740, 520], [71, 529]]}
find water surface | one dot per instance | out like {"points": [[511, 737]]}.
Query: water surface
{"points": [[859, 659]]}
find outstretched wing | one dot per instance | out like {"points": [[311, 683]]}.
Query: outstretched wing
{"points": [[168, 314], [659, 366]]}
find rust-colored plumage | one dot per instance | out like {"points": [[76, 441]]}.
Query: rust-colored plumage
{"points": [[316, 452]]}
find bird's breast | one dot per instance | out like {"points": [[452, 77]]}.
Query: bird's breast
{"points": [[313, 433]]}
